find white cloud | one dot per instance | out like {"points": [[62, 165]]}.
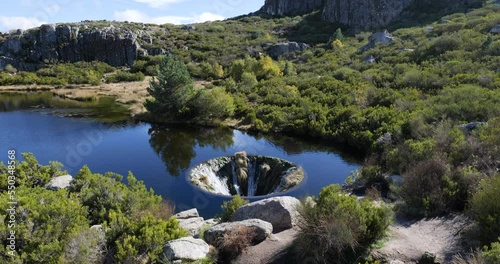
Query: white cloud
{"points": [[8, 23], [137, 16], [158, 3]]}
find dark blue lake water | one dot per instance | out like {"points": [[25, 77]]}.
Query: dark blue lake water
{"points": [[161, 155]]}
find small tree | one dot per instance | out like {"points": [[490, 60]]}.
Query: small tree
{"points": [[172, 90], [338, 35]]}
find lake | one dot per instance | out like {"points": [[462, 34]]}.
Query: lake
{"points": [[159, 155]]}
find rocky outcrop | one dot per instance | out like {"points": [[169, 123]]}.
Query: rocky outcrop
{"points": [[280, 49], [186, 248], [289, 7], [362, 14], [262, 230], [281, 212], [30, 49], [60, 182]]}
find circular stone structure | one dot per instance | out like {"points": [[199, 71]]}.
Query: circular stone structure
{"points": [[246, 175]]}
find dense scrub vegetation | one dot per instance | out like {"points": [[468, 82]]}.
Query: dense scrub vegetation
{"points": [[99, 218]]}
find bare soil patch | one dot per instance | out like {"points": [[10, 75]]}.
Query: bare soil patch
{"points": [[409, 240]]}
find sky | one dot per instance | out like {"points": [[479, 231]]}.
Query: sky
{"points": [[25, 14]]}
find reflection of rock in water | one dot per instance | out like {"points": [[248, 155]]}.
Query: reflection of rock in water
{"points": [[246, 175]]}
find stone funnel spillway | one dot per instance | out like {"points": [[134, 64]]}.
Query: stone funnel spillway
{"points": [[246, 175]]}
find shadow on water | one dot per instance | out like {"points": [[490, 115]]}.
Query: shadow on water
{"points": [[175, 145], [103, 109]]}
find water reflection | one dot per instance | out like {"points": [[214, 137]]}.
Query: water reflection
{"points": [[104, 109], [176, 145]]}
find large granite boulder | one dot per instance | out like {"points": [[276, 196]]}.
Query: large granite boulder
{"points": [[60, 182], [191, 221], [186, 248], [262, 229], [281, 212], [378, 38], [280, 49]]}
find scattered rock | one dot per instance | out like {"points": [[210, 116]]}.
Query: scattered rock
{"points": [[443, 21], [378, 38], [280, 49], [189, 27], [427, 258], [60, 182], [263, 230], [186, 248], [281, 212], [192, 225], [187, 214], [310, 201], [385, 139], [370, 59], [471, 126], [428, 29], [495, 29]]}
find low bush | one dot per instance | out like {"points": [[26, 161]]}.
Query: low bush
{"points": [[485, 208], [424, 187], [230, 207], [235, 242], [338, 227]]}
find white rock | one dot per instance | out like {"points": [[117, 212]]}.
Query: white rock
{"points": [[187, 214], [281, 212], [192, 225], [186, 248], [60, 182]]}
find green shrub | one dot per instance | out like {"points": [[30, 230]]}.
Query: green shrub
{"points": [[485, 208], [424, 186], [230, 207], [338, 227], [214, 104], [492, 254]]}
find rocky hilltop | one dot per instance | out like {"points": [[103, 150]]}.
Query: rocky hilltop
{"points": [[363, 14], [27, 50]]}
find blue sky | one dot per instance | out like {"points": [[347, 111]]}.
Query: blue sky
{"points": [[31, 13]]}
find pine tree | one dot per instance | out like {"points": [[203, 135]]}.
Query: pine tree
{"points": [[172, 90]]}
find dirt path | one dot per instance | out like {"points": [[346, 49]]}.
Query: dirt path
{"points": [[409, 240]]}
